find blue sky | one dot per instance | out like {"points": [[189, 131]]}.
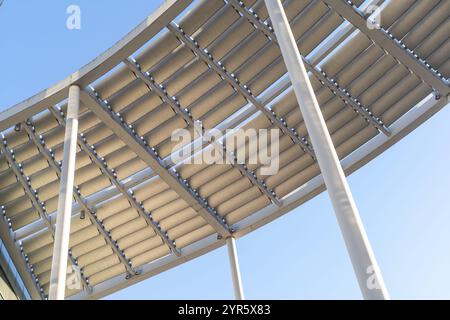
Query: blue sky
{"points": [[403, 195]]}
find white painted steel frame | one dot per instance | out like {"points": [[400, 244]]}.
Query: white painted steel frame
{"points": [[100, 66], [242, 89], [149, 155], [83, 77], [16, 253], [358, 246], [82, 203], [128, 194], [361, 156], [122, 189], [62, 230], [395, 47], [37, 204], [342, 93], [172, 101]]}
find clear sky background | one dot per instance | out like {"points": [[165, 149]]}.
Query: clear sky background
{"points": [[403, 195]]}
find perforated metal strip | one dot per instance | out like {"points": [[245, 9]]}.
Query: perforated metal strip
{"points": [[49, 155], [26, 260], [32, 194], [149, 155], [395, 47], [161, 91], [330, 83], [242, 89]]}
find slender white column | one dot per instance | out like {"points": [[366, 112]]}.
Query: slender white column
{"points": [[234, 266], [62, 232], [367, 272]]}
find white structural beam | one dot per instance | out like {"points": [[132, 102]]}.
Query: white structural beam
{"points": [[248, 112], [173, 102], [234, 267], [242, 89], [235, 121], [361, 254], [126, 192], [134, 40], [62, 232], [320, 75], [149, 155], [395, 47]]}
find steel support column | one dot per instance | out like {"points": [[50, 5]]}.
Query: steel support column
{"points": [[358, 246], [235, 271], [62, 232]]}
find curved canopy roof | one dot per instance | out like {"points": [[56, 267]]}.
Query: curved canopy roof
{"points": [[216, 61]]}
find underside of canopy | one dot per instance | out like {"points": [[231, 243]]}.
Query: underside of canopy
{"points": [[135, 212]]}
